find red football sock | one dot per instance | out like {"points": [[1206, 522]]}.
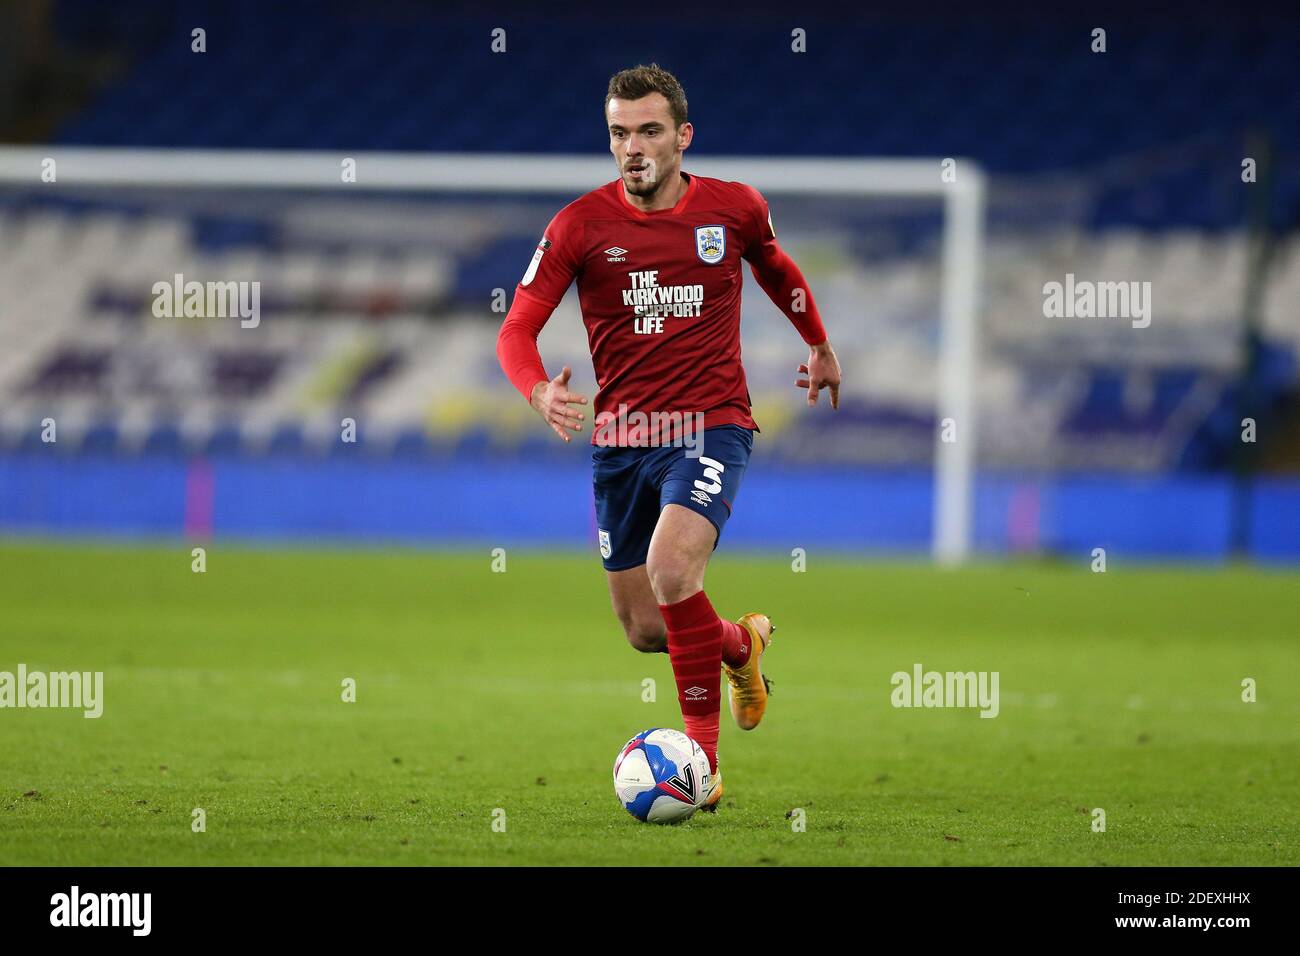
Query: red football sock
{"points": [[695, 649], [735, 644]]}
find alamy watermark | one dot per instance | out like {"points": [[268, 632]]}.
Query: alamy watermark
{"points": [[179, 299], [1085, 299], [82, 690], [638, 429], [75, 908], [922, 688]]}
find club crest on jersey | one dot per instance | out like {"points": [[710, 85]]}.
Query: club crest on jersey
{"points": [[711, 243], [605, 549]]}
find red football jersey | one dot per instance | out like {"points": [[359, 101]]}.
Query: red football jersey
{"points": [[660, 295]]}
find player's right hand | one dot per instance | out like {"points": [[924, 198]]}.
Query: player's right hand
{"points": [[552, 400]]}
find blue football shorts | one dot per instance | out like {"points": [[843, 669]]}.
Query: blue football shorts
{"points": [[633, 485]]}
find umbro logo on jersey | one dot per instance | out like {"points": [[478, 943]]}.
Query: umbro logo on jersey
{"points": [[616, 254]]}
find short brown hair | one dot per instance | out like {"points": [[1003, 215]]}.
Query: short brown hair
{"points": [[642, 81]]}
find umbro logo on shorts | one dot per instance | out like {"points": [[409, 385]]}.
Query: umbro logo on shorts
{"points": [[701, 498]]}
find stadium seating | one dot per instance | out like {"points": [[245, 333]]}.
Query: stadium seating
{"points": [[396, 340], [1166, 123]]}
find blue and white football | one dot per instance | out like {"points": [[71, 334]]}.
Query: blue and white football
{"points": [[661, 776]]}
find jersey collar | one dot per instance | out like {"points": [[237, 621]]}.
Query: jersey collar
{"points": [[679, 207]]}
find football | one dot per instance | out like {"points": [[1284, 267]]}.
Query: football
{"points": [[661, 776]]}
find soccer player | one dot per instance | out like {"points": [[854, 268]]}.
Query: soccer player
{"points": [[657, 257]]}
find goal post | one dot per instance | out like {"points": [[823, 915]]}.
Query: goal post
{"points": [[961, 194]]}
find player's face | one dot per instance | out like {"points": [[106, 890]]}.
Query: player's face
{"points": [[646, 143]]}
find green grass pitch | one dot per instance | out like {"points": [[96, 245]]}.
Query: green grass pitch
{"points": [[485, 695]]}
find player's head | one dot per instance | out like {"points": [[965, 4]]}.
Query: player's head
{"points": [[645, 108]]}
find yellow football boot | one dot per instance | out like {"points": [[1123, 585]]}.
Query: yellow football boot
{"points": [[749, 688], [710, 804]]}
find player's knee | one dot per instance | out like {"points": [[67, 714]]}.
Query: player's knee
{"points": [[673, 581], [648, 637], [647, 634]]}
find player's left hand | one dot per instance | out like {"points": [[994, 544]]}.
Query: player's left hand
{"points": [[822, 371]]}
